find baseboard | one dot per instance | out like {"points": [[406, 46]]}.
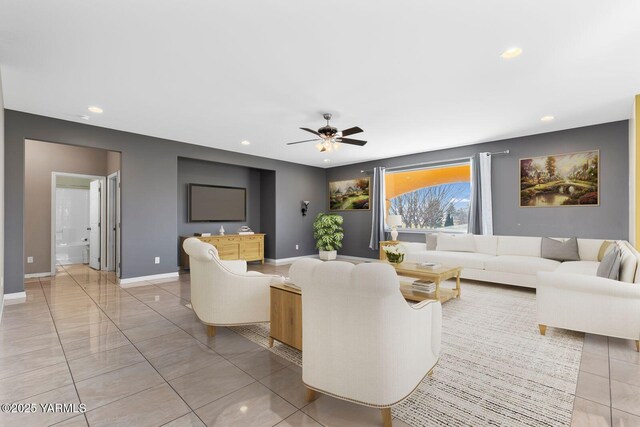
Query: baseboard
{"points": [[35, 275], [132, 282], [356, 258], [282, 261], [15, 298]]}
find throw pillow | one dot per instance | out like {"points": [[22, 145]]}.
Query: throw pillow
{"points": [[560, 251], [609, 268], [456, 242], [432, 241], [604, 248]]}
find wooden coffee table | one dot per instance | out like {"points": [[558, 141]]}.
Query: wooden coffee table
{"points": [[435, 275]]}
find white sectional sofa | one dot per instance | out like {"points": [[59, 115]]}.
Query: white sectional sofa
{"points": [[511, 260], [569, 294]]}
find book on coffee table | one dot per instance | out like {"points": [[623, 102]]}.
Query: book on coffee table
{"points": [[428, 265]]}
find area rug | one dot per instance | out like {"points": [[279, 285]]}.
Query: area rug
{"points": [[495, 368]]}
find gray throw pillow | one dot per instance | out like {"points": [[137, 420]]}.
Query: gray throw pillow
{"points": [[432, 241], [609, 267], [560, 251]]}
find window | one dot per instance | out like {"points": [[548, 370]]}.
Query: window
{"points": [[435, 199]]}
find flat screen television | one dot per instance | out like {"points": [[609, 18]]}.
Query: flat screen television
{"points": [[211, 203]]}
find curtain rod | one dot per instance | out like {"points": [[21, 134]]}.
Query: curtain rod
{"points": [[435, 162]]}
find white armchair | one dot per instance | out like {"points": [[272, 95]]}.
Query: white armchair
{"points": [[362, 342], [223, 293]]}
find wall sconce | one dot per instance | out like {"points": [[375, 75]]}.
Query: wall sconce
{"points": [[305, 207]]}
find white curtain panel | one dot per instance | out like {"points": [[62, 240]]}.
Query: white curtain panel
{"points": [[486, 205], [480, 209]]}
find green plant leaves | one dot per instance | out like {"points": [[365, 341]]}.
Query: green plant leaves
{"points": [[328, 232]]}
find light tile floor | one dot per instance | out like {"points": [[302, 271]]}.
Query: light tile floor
{"points": [[139, 357]]}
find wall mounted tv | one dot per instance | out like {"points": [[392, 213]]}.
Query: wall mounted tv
{"points": [[211, 203]]}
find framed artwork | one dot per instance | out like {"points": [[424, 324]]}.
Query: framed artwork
{"points": [[557, 180], [351, 194]]}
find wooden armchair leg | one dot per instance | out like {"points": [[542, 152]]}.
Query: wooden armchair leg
{"points": [[310, 395], [638, 345], [211, 331], [386, 417], [543, 329]]}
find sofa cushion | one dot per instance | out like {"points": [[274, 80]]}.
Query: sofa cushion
{"points": [[461, 259], [432, 241], [588, 268], [417, 256], [609, 268], [628, 263], [566, 250], [520, 264], [408, 247], [605, 247], [517, 245], [486, 244], [456, 242]]}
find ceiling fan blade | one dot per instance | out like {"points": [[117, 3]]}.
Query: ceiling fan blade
{"points": [[351, 131], [352, 141], [306, 140], [311, 130]]}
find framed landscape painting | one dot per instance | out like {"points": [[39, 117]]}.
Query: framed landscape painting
{"points": [[560, 180], [352, 194]]}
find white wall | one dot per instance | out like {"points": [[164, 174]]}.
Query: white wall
{"points": [[1, 198], [632, 175]]}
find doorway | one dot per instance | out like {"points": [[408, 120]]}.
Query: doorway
{"points": [[113, 223], [78, 207]]}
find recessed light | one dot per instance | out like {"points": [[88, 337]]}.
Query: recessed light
{"points": [[94, 109], [511, 53], [245, 142], [83, 117], [326, 160], [546, 118]]}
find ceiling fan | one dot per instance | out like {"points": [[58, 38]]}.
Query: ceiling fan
{"points": [[329, 138]]}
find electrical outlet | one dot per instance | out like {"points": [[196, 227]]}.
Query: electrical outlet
{"points": [[157, 260], [30, 260], [297, 247]]}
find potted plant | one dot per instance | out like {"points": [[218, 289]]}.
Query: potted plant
{"points": [[394, 253], [328, 232]]}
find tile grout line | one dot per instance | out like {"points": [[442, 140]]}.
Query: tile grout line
{"points": [[230, 361], [610, 391], [73, 381], [145, 358]]}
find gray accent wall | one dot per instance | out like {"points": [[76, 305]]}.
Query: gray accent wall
{"points": [[609, 220], [191, 171], [149, 176], [2, 246]]}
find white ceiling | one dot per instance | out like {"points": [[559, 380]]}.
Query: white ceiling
{"points": [[415, 75]]}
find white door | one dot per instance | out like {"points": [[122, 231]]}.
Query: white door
{"points": [[94, 224], [118, 225]]}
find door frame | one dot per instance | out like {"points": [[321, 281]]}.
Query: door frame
{"points": [[103, 196], [110, 189]]}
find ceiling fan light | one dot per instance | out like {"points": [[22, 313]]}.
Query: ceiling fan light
{"points": [[319, 146], [336, 146]]}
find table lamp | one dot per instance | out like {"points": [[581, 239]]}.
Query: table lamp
{"points": [[394, 221]]}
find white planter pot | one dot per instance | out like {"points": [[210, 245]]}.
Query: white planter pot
{"points": [[328, 255]]}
